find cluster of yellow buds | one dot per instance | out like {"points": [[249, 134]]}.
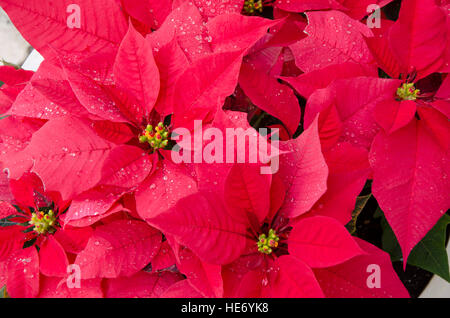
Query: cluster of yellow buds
{"points": [[407, 92], [251, 6], [266, 243], [43, 222], [157, 137]]}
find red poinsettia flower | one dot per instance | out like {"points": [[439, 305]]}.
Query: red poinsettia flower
{"points": [[401, 122], [35, 240], [253, 217]]}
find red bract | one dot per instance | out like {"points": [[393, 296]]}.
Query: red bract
{"points": [[334, 38], [348, 280], [102, 26], [119, 248]]}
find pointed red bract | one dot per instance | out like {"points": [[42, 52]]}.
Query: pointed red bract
{"points": [[418, 38], [247, 191], [94, 202], [70, 165], [304, 172], [136, 72], [162, 190], [393, 115], [126, 166], [334, 38], [52, 258], [187, 25], [304, 5], [201, 91], [55, 287], [141, 285], [355, 100], [357, 277], [101, 24], [205, 278], [274, 98], [171, 63], [23, 273], [410, 167], [234, 32], [321, 242], [181, 289], [307, 83], [202, 224], [294, 279], [349, 169]]}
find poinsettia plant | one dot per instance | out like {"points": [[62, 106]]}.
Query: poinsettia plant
{"points": [[228, 148]]}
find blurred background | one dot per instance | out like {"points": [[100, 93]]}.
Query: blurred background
{"points": [[13, 48]]}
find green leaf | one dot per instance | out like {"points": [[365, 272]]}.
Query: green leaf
{"points": [[7, 221], [429, 254], [30, 243], [388, 239], [5, 63], [361, 202], [3, 293]]}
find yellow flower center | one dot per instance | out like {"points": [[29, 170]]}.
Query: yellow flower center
{"points": [[157, 137], [407, 92], [251, 6], [266, 243], [43, 222]]}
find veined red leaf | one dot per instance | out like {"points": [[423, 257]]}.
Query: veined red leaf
{"points": [[276, 99], [46, 23], [203, 87], [23, 273], [201, 223], [56, 287], [293, 279], [322, 242], [306, 5], [350, 279], [234, 32], [66, 155], [410, 167], [52, 258], [349, 169], [126, 166], [120, 248], [304, 172], [334, 38], [162, 190], [141, 285], [135, 70], [418, 38], [247, 191], [181, 289]]}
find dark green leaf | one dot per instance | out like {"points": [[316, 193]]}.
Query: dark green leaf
{"points": [[28, 230], [388, 239], [29, 243], [429, 254], [19, 209], [8, 221]]}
